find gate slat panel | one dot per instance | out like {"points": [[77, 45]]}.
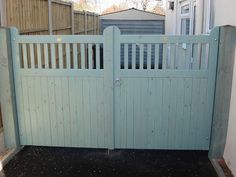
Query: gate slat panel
{"points": [[73, 112], [82, 50], [40, 119], [101, 117], [80, 122], [172, 56], [25, 58], [195, 56], [90, 56], [47, 119], [137, 112], [149, 55], [166, 112], [158, 111], [194, 112], [180, 113], [33, 114], [22, 124], [75, 56], [203, 131], [187, 111], [203, 56], [130, 113], [52, 109], [27, 137], [32, 61], [93, 113], [151, 111], [97, 56], [157, 56], [141, 56], [53, 57], [87, 115], [60, 137], [39, 58], [68, 64], [66, 111], [118, 115], [126, 56], [164, 58], [123, 120], [45, 47], [60, 56], [172, 114], [133, 56]]}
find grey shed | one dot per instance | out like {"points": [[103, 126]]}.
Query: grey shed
{"points": [[134, 21]]}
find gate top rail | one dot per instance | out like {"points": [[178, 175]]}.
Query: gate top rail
{"points": [[132, 52]]}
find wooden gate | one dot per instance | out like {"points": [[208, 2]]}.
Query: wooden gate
{"points": [[115, 91]]}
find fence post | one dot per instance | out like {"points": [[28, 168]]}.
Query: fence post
{"points": [[94, 24], [72, 19], [7, 91], [3, 14], [111, 34], [226, 55], [85, 22], [50, 17]]}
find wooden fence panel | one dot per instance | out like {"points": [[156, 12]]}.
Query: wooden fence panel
{"points": [[39, 17], [30, 16], [79, 22], [61, 18]]}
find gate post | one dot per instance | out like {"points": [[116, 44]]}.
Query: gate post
{"points": [[226, 55], [7, 91], [109, 61]]}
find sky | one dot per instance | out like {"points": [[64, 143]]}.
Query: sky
{"points": [[103, 4]]}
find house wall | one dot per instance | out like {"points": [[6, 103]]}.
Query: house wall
{"points": [[229, 19], [224, 13], [171, 22], [172, 17]]}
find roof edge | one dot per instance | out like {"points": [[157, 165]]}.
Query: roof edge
{"points": [[132, 9]]}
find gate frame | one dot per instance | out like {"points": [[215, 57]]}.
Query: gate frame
{"points": [[7, 95]]}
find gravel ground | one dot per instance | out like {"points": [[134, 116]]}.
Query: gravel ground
{"points": [[73, 162]]}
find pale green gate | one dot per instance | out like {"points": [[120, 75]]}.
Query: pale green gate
{"points": [[79, 91]]}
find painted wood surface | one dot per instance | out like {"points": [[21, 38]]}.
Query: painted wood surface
{"points": [[158, 94]]}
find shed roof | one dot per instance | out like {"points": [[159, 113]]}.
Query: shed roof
{"points": [[133, 14]]}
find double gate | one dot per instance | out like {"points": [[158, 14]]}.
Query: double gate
{"points": [[115, 91]]}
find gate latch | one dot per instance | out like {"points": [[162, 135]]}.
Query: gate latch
{"points": [[117, 82]]}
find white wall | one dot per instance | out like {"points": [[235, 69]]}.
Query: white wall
{"points": [[225, 14], [172, 17], [170, 22], [230, 148]]}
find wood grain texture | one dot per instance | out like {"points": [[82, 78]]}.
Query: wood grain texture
{"points": [[160, 99]]}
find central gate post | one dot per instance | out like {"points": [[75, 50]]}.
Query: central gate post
{"points": [[109, 56]]}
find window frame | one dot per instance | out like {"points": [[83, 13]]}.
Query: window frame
{"points": [[184, 16], [209, 16]]}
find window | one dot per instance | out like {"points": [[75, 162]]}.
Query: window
{"points": [[209, 15], [194, 18], [185, 9], [185, 26], [185, 21]]}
